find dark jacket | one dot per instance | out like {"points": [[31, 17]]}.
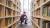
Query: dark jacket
{"points": [[22, 17]]}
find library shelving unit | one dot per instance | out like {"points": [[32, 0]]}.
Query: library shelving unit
{"points": [[8, 14], [41, 16]]}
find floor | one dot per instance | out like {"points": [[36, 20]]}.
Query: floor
{"points": [[29, 25]]}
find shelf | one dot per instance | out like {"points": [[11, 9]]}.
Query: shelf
{"points": [[2, 23], [2, 1], [10, 27], [14, 25], [13, 22], [9, 3], [46, 10], [15, 2], [13, 19], [8, 12], [16, 21], [8, 16], [18, 17], [38, 12], [2, 11], [1, 17], [9, 20], [36, 24], [13, 13], [14, 7], [6, 22], [18, 14], [48, 1]]}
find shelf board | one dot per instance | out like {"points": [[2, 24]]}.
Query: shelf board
{"points": [[14, 10], [46, 18], [16, 21], [15, 3], [37, 16], [2, 4], [13, 23], [17, 10], [45, 2], [37, 8], [8, 16], [41, 17], [7, 6], [42, 4], [10, 25], [2, 17], [14, 16], [36, 24], [17, 15]]}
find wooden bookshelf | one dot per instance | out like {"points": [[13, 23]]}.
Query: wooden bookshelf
{"points": [[42, 14], [8, 13]]}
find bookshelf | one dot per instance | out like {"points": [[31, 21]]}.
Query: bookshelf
{"points": [[8, 13]]}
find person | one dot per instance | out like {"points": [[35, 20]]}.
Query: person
{"points": [[23, 17]]}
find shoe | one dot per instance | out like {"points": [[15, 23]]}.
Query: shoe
{"points": [[25, 23]]}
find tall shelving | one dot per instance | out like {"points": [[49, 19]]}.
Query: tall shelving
{"points": [[8, 13], [41, 15]]}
